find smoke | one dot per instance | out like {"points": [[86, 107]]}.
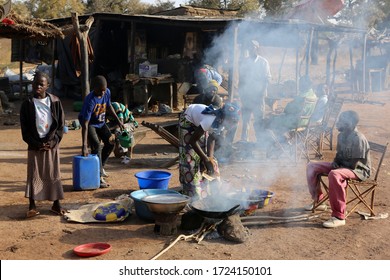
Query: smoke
{"points": [[252, 155]]}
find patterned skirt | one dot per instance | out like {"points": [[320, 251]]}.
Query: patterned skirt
{"points": [[190, 163]]}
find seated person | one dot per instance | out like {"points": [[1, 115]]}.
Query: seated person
{"points": [[124, 115], [322, 104], [203, 75], [302, 105], [210, 96], [126, 118], [352, 161]]}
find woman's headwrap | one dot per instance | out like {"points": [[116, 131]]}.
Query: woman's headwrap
{"points": [[212, 85], [229, 111]]}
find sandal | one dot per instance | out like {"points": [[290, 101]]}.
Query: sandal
{"points": [[32, 213], [59, 212]]}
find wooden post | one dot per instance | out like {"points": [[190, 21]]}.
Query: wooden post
{"points": [[233, 66], [82, 35], [21, 58], [364, 56], [53, 65], [308, 49], [297, 70]]}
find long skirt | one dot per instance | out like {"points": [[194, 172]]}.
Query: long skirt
{"points": [[190, 163], [44, 176]]}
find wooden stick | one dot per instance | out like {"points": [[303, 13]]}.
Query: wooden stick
{"points": [[254, 217], [259, 223], [180, 237]]}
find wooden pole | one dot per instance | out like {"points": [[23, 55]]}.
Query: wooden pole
{"points": [[21, 58], [308, 50], [233, 66], [364, 55]]}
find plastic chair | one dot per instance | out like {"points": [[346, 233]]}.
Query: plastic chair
{"points": [[360, 192]]}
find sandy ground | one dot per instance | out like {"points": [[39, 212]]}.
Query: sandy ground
{"points": [[48, 237]]}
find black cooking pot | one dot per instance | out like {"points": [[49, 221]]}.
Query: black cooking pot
{"points": [[212, 209]]}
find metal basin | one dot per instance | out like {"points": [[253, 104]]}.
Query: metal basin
{"points": [[166, 203]]}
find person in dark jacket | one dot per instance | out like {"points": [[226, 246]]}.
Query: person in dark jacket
{"points": [[42, 125]]}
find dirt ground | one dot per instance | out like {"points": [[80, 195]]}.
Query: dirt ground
{"points": [[48, 237]]}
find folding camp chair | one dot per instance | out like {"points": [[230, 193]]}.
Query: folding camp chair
{"points": [[358, 192], [329, 124], [296, 144], [315, 132]]}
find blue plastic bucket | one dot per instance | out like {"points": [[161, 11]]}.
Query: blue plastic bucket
{"points": [[153, 179], [141, 208]]}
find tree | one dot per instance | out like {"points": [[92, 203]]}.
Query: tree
{"points": [[21, 9], [49, 9], [364, 14], [161, 5], [117, 6]]}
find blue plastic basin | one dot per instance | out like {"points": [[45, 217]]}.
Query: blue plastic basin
{"points": [[153, 179]]}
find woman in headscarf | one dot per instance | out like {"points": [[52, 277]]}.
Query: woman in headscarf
{"points": [[199, 127]]}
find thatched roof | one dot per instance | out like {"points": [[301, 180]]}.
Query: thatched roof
{"points": [[13, 26]]}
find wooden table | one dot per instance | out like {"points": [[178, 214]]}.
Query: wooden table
{"points": [[23, 83], [147, 84]]}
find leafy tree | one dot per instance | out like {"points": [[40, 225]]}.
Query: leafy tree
{"points": [[364, 14], [21, 9], [49, 9], [117, 6], [161, 5]]}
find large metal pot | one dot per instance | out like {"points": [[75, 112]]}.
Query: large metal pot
{"points": [[166, 203], [213, 209]]}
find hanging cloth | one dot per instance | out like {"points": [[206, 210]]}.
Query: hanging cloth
{"points": [[75, 49]]}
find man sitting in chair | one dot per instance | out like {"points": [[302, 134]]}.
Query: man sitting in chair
{"points": [[352, 161], [296, 114]]}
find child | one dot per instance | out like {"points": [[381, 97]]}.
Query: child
{"points": [[42, 123], [126, 117], [93, 122]]}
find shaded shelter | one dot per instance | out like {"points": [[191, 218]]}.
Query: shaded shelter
{"points": [[175, 43], [25, 31]]}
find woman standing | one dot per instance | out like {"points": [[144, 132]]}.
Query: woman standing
{"points": [[42, 123], [199, 128]]}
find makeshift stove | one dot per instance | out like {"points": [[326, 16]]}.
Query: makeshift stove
{"points": [[166, 209], [213, 215], [165, 223]]}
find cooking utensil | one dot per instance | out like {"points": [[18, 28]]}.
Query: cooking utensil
{"points": [[92, 249], [212, 209], [166, 203], [141, 208]]}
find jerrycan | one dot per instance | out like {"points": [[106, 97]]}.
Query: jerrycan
{"points": [[86, 172]]}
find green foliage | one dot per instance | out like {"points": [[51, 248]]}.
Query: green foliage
{"points": [[364, 14], [48, 9], [20, 9], [117, 6], [161, 5]]}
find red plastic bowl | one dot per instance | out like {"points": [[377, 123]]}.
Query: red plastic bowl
{"points": [[92, 249]]}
